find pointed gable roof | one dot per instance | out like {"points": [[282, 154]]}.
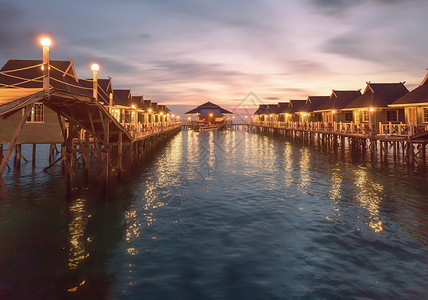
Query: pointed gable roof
{"points": [[122, 97], [283, 107], [418, 96], [261, 110], [339, 100], [207, 106], [104, 88], [379, 95], [314, 102], [62, 75], [296, 106]]}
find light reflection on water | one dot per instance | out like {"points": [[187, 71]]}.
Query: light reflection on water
{"points": [[218, 215]]}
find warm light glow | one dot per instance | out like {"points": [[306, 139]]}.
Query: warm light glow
{"points": [[95, 67], [133, 106], [371, 109], [233, 117], [246, 117], [150, 110], [167, 115], [161, 113], [173, 116], [270, 115], [188, 118], [211, 115], [46, 42], [334, 111]]}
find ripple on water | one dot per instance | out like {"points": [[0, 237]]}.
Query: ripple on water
{"points": [[221, 215]]}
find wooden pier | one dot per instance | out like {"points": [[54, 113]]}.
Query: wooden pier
{"points": [[410, 150], [91, 134]]}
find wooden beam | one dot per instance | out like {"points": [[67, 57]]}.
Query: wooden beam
{"points": [[14, 139]]}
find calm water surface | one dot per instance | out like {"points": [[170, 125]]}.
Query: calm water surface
{"points": [[227, 215]]}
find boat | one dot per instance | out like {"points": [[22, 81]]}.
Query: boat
{"points": [[208, 128]]}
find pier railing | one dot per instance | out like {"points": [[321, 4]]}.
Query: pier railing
{"points": [[389, 128]]}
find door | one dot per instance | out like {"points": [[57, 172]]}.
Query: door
{"points": [[412, 116]]}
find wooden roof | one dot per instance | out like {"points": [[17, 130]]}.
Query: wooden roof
{"points": [[379, 95], [313, 103], [29, 74], [206, 106], [261, 109], [122, 97], [296, 105], [104, 88], [418, 96], [339, 100]]}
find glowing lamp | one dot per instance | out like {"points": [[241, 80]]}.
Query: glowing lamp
{"points": [[188, 118], [161, 113], [371, 109], [150, 110], [95, 67], [133, 106], [334, 111], [173, 116], [246, 117], [211, 115], [46, 42]]}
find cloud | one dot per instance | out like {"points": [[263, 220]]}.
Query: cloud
{"points": [[337, 7], [13, 36]]}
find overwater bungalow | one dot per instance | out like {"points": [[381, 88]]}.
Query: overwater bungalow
{"points": [[283, 109], [258, 115], [209, 113], [307, 112], [332, 109], [372, 106], [294, 107], [415, 104]]}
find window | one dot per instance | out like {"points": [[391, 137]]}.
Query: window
{"points": [[348, 117], [391, 115], [37, 113], [365, 116], [425, 114]]}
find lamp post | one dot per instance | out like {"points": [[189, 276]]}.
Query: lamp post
{"points": [[371, 109], [95, 68], [46, 42]]}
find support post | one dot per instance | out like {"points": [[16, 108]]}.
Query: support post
{"points": [[12, 144]]}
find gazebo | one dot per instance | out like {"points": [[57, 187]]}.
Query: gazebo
{"points": [[209, 113]]}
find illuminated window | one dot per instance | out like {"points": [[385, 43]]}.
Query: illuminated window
{"points": [[425, 114], [391, 115], [365, 116], [37, 113]]}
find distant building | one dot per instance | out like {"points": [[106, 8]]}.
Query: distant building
{"points": [[209, 113]]}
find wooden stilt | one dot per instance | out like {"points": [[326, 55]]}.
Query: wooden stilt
{"points": [[33, 158], [12, 144]]}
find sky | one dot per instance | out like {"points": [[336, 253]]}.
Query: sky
{"points": [[234, 53]]}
